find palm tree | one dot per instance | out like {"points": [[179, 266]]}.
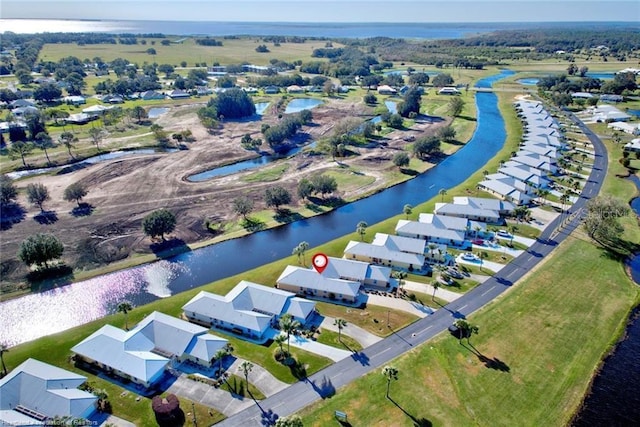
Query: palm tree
{"points": [[280, 340], [303, 248], [442, 193], [246, 367], [3, 349], [297, 251], [512, 230], [463, 328], [44, 142], [125, 307], [482, 255], [435, 286], [400, 276], [407, 209], [288, 325], [390, 373], [220, 354], [67, 139], [361, 229], [340, 323]]}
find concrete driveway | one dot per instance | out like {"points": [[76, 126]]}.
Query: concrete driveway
{"points": [[364, 338]]}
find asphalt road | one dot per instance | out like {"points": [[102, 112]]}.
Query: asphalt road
{"points": [[327, 381]]}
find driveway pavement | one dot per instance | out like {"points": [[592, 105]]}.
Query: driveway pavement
{"points": [[414, 308], [260, 377], [441, 293], [365, 338], [220, 400], [331, 352], [489, 265]]}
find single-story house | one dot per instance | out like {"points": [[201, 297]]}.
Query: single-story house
{"points": [[35, 392], [96, 109], [270, 90], [633, 129], [75, 100], [608, 113], [447, 90], [390, 251], [21, 103], [5, 126], [543, 150], [112, 99], [633, 146], [248, 309], [430, 232], [294, 89], [509, 189], [546, 165], [24, 111], [150, 95], [582, 95], [308, 282], [611, 98], [386, 90], [80, 118], [357, 271], [471, 228], [143, 353], [178, 94], [526, 174], [476, 208]]}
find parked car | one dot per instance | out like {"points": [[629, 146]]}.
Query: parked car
{"points": [[504, 233], [478, 242], [469, 257]]}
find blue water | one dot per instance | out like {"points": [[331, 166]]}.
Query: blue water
{"points": [[528, 81], [261, 107], [156, 112], [299, 104], [392, 106], [634, 112], [603, 76], [196, 268]]}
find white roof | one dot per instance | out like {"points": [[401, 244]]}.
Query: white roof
{"points": [[428, 230], [46, 389], [310, 279], [247, 305], [95, 109], [466, 210], [505, 190], [383, 253], [299, 308], [400, 243], [485, 203], [525, 174], [442, 221]]}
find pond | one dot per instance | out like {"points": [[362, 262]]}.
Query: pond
{"points": [[156, 112], [528, 81], [392, 106], [88, 161], [78, 303], [299, 104], [261, 107]]}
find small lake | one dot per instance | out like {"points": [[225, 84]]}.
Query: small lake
{"points": [[245, 164], [528, 81], [261, 107], [634, 112], [392, 106], [88, 161], [156, 112], [532, 81], [299, 104]]}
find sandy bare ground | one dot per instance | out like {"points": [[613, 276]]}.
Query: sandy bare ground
{"points": [[123, 191]]}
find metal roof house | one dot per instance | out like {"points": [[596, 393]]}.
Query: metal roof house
{"points": [[308, 282], [36, 391], [430, 232], [143, 353], [390, 251], [248, 309], [476, 208]]}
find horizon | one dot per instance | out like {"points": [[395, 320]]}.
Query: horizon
{"points": [[327, 11]]}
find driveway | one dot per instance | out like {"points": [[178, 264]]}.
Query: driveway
{"points": [[441, 293], [260, 377], [488, 265], [364, 338], [414, 308], [328, 351]]}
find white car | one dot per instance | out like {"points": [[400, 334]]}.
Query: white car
{"points": [[504, 233], [469, 257]]}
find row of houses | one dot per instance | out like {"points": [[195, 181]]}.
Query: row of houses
{"points": [[528, 171]]}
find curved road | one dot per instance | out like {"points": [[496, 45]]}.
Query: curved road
{"points": [[328, 380]]}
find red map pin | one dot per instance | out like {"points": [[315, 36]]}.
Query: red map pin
{"points": [[320, 262]]}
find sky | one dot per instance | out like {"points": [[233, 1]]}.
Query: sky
{"points": [[327, 10]]}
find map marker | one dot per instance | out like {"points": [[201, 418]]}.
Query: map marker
{"points": [[320, 262]]}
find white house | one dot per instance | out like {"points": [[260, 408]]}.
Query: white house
{"points": [[248, 309], [308, 282], [386, 90], [36, 391], [143, 353], [390, 251], [508, 188], [430, 232], [476, 208], [448, 91]]}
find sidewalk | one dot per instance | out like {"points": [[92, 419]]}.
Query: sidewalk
{"points": [[328, 351], [260, 377], [363, 337]]}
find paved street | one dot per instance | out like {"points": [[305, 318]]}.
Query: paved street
{"points": [[328, 380]]}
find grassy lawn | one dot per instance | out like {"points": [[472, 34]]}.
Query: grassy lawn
{"points": [[268, 174], [236, 384], [571, 323], [373, 318], [329, 337]]}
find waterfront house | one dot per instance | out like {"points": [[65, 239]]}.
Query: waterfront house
{"points": [[271, 90], [142, 354], [431, 232], [308, 282], [248, 309], [476, 208], [448, 91], [35, 392], [178, 94], [391, 251], [386, 90]]}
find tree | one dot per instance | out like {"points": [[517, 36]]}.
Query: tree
{"points": [[390, 373], [75, 192], [125, 307], [340, 323], [243, 206], [426, 146], [407, 209], [602, 221], [159, 223], [455, 106], [435, 285], [465, 330], [138, 113], [482, 255], [288, 325], [276, 197], [44, 142], [290, 421], [280, 340], [401, 159], [221, 354], [35, 124], [305, 188], [151, 51], [411, 102], [37, 194], [442, 79], [361, 229], [246, 367], [21, 149], [96, 135], [39, 249], [4, 348], [447, 133], [67, 139], [300, 250], [8, 191], [324, 184], [400, 276], [47, 92], [442, 192]]}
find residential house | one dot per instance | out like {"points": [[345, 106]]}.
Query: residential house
{"points": [[433, 233], [533, 177], [35, 392], [150, 95], [294, 89], [633, 146], [308, 282], [391, 251], [471, 228], [178, 94], [386, 90], [448, 91], [75, 100], [633, 129], [142, 354], [509, 188], [476, 208], [270, 90], [545, 164], [21, 103], [248, 309], [21, 112]]}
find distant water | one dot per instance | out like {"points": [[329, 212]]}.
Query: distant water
{"points": [[347, 30]]}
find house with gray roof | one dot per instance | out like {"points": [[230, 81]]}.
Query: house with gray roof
{"points": [[248, 309], [358, 271], [508, 188], [544, 164], [142, 354], [430, 232], [543, 150], [399, 243], [386, 252], [308, 282], [35, 392], [526, 174], [476, 208]]}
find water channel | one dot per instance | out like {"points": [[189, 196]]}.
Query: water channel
{"points": [[36, 315]]}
